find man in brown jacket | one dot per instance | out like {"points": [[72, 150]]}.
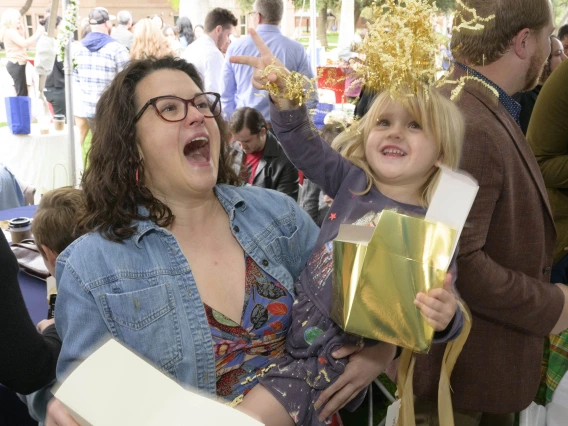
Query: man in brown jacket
{"points": [[506, 247]]}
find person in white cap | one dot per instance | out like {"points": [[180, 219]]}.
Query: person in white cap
{"points": [[99, 60]]}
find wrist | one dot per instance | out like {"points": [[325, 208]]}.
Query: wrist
{"points": [[284, 104], [389, 350]]}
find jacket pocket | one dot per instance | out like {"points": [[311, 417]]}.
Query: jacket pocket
{"points": [[147, 321], [286, 248]]}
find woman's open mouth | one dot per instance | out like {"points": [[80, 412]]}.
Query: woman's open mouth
{"points": [[197, 151]]}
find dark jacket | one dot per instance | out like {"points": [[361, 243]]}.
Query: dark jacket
{"points": [[504, 265], [56, 77], [527, 100], [27, 358], [548, 138], [274, 171]]}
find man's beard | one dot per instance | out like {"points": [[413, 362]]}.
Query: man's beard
{"points": [[533, 74]]}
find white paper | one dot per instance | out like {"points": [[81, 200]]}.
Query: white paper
{"points": [[356, 234], [392, 413], [114, 386], [452, 200], [556, 415], [50, 287], [533, 415]]}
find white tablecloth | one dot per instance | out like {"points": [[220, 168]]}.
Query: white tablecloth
{"points": [[40, 160]]}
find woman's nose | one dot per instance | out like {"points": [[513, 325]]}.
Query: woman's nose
{"points": [[193, 117]]}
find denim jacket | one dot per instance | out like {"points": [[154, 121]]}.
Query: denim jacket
{"points": [[142, 291]]}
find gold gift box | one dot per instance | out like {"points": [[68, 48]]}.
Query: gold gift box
{"points": [[378, 272]]}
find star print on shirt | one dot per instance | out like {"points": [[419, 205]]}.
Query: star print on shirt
{"points": [[332, 216]]}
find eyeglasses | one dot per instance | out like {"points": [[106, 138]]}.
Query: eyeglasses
{"points": [[173, 109], [251, 14]]}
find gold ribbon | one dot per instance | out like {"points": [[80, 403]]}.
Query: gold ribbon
{"points": [[406, 373]]}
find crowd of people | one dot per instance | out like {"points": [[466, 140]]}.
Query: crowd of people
{"points": [[201, 235]]}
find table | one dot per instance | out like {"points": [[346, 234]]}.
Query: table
{"points": [[12, 410], [33, 289], [40, 160]]}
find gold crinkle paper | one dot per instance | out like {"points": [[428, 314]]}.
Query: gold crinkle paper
{"points": [[400, 47], [297, 87], [378, 271]]}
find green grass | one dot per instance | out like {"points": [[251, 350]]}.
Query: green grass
{"points": [[85, 149], [332, 39], [3, 124], [30, 54]]}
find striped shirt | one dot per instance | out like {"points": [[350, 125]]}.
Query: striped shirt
{"points": [[96, 70]]}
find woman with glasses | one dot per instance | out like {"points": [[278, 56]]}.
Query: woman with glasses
{"points": [[186, 268]]}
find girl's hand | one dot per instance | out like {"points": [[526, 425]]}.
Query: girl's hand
{"points": [[439, 306], [259, 64], [364, 366]]}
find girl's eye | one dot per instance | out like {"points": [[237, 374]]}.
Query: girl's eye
{"points": [[414, 125], [384, 123]]}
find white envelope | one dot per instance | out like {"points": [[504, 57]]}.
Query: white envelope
{"points": [[114, 386]]}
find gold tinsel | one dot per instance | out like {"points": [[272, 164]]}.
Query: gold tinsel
{"points": [[400, 47], [469, 80], [476, 23], [399, 50], [297, 87]]}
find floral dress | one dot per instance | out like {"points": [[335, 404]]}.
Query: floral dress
{"points": [[245, 351]]}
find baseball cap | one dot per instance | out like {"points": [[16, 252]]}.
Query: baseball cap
{"points": [[99, 15]]}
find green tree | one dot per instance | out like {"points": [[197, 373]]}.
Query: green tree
{"points": [[322, 7], [246, 5], [445, 5], [560, 11]]}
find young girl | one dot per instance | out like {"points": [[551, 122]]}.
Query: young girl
{"points": [[388, 162]]}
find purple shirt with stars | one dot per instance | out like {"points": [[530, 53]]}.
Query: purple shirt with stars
{"points": [[309, 367]]}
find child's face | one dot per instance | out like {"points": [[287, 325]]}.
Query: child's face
{"points": [[398, 151]]}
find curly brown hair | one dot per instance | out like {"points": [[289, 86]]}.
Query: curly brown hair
{"points": [[113, 194]]}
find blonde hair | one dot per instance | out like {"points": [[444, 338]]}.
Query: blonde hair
{"points": [[11, 18], [439, 118], [149, 41]]}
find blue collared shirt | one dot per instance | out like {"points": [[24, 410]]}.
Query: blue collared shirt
{"points": [[512, 106], [238, 91]]}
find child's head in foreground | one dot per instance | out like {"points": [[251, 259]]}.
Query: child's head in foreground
{"points": [[55, 223], [402, 138]]}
